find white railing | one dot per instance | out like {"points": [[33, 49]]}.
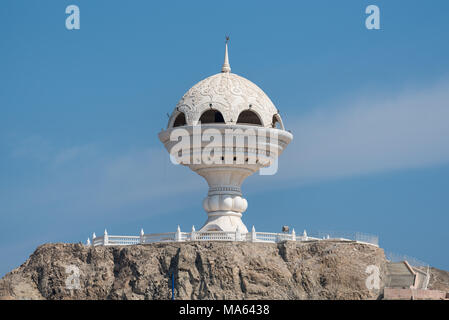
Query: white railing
{"points": [[213, 236], [251, 236], [123, 240], [97, 241], [158, 237], [347, 236]]}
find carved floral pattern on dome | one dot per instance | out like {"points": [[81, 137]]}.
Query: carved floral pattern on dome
{"points": [[228, 93]]}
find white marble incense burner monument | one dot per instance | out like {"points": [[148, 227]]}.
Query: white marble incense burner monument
{"points": [[219, 102]]}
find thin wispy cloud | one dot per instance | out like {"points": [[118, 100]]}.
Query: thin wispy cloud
{"points": [[93, 179], [366, 136]]}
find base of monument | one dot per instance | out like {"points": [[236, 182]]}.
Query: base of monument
{"points": [[224, 222]]}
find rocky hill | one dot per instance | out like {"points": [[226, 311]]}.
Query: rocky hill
{"points": [[201, 270]]}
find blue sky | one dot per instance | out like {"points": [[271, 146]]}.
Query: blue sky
{"points": [[80, 112]]}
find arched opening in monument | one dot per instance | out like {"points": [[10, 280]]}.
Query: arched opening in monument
{"points": [[212, 116], [180, 120], [249, 117], [276, 122]]}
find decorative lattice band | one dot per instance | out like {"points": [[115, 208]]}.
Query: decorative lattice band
{"points": [[214, 190]]}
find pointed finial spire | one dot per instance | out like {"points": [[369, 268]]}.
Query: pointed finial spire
{"points": [[226, 66], [94, 236], [88, 242], [105, 232], [193, 229], [141, 232]]}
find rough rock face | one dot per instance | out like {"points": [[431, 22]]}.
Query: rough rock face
{"points": [[202, 270]]}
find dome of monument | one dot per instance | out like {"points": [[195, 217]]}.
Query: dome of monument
{"points": [[226, 98]]}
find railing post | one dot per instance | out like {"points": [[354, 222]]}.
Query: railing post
{"points": [[293, 235], [193, 234], [178, 234], [105, 238], [142, 236], [253, 234]]}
